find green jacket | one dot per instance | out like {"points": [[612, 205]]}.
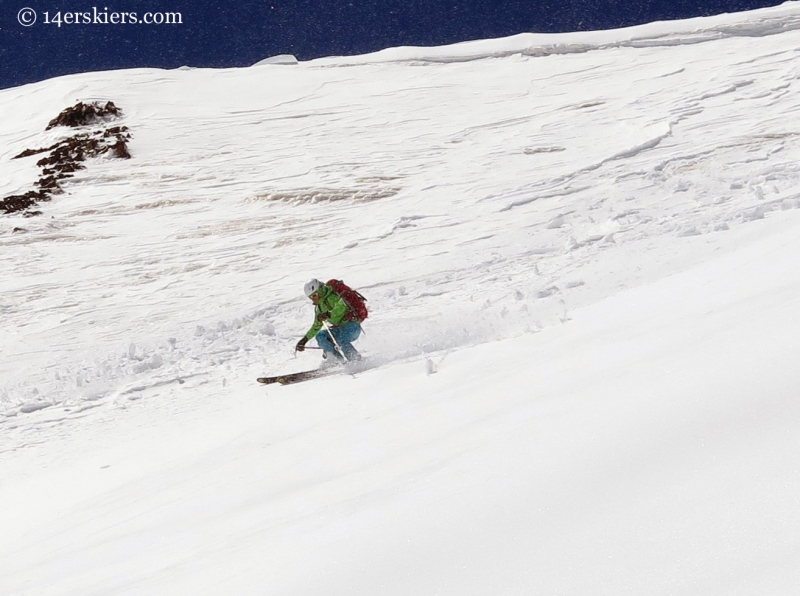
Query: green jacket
{"points": [[331, 304]]}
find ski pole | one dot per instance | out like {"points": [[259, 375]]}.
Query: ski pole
{"points": [[333, 339], [306, 348]]}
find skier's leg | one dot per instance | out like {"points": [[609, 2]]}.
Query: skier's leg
{"points": [[328, 348], [351, 353], [345, 336]]}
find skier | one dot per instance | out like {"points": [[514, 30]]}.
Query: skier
{"points": [[338, 313]]}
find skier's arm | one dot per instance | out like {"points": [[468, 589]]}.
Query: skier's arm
{"points": [[314, 328]]}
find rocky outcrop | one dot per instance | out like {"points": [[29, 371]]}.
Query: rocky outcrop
{"points": [[68, 155]]}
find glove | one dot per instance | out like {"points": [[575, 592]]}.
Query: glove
{"points": [[301, 345], [323, 316]]}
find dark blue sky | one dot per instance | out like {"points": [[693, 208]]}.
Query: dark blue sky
{"points": [[217, 33]]}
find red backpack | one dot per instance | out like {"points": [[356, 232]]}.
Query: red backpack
{"points": [[353, 299]]}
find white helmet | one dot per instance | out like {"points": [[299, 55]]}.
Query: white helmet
{"points": [[312, 287]]}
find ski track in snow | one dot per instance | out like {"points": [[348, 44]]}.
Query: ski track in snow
{"points": [[285, 173]]}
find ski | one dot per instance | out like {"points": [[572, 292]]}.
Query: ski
{"points": [[306, 375], [296, 377]]}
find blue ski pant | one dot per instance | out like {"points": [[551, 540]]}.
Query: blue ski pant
{"points": [[345, 335]]}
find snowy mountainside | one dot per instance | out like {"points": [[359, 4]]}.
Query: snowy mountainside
{"points": [[580, 265], [471, 201]]}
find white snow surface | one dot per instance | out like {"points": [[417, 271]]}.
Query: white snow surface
{"points": [[580, 254]]}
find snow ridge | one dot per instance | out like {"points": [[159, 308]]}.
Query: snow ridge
{"points": [[757, 23]]}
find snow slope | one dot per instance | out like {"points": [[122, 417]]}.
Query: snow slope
{"points": [[580, 266]]}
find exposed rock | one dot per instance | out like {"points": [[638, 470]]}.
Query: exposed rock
{"points": [[83, 114], [67, 156]]}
